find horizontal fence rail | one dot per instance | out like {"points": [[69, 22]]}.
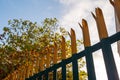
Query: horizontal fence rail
{"points": [[44, 67], [75, 57]]}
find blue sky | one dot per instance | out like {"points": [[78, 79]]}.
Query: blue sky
{"points": [[69, 13], [34, 10]]}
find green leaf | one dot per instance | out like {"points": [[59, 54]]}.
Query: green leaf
{"points": [[6, 29]]}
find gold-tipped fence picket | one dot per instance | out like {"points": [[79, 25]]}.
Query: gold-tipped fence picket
{"points": [[40, 68]]}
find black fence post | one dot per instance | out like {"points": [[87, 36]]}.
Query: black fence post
{"points": [[109, 61], [90, 65], [104, 44], [75, 67], [55, 74], [87, 44], [46, 76], [40, 77], [63, 70]]}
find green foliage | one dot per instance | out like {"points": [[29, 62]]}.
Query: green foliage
{"points": [[26, 35], [23, 36]]}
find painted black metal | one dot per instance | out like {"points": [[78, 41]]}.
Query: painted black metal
{"points": [[107, 53], [55, 74], [75, 68], [63, 70], [109, 62], [90, 65], [40, 77], [46, 75]]}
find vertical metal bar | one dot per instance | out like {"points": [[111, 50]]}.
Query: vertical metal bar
{"points": [[73, 42], [63, 49], [85, 31], [75, 68], [41, 67], [63, 58], [55, 58], [63, 70], [87, 43], [74, 60], [40, 77], [109, 62], [48, 58], [55, 74], [116, 5], [101, 26], [106, 49], [42, 64], [90, 66], [46, 76], [23, 72]]}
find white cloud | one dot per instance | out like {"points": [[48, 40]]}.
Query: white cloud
{"points": [[75, 10]]}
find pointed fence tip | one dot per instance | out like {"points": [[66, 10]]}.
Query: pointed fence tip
{"points": [[55, 45], [63, 39], [80, 25], [72, 29], [97, 9], [84, 22], [69, 34], [111, 2], [72, 32], [93, 15]]}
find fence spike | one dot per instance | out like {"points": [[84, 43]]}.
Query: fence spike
{"points": [[69, 34], [73, 41], [80, 26], [88, 57], [93, 15], [63, 48], [117, 8], [100, 24], [27, 70], [48, 58], [42, 64], [85, 31], [55, 53], [116, 5], [112, 2], [22, 73], [37, 64]]}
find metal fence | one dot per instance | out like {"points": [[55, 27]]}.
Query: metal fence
{"points": [[30, 72], [104, 44]]}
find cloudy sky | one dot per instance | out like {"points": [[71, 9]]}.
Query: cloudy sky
{"points": [[69, 13]]}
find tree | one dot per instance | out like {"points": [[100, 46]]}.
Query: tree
{"points": [[23, 36]]}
